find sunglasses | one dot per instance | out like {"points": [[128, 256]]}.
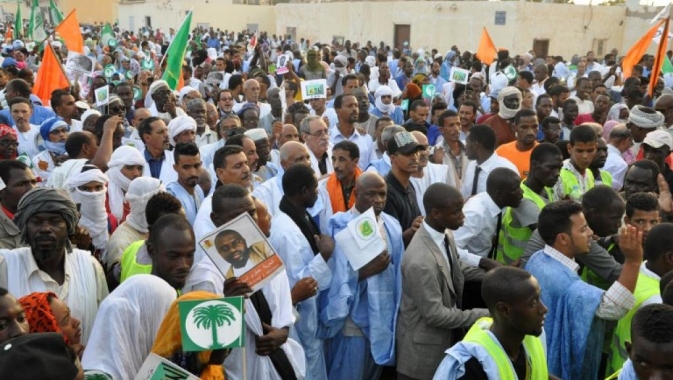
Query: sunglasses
{"points": [[117, 109]]}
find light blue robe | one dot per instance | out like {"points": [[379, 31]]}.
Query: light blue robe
{"points": [[628, 373], [189, 204], [300, 262], [574, 333], [372, 305]]}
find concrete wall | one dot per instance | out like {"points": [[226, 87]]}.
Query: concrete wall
{"points": [[89, 11], [440, 25], [217, 13]]}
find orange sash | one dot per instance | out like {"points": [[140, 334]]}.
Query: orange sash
{"points": [[336, 195]]}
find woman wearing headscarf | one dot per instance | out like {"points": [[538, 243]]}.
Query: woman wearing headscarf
{"points": [[445, 70], [384, 106], [207, 365], [125, 165], [8, 143], [87, 189], [126, 326], [46, 313], [619, 112], [420, 66], [54, 132]]}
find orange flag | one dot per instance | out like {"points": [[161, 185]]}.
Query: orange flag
{"points": [[659, 59], [50, 76], [486, 51], [70, 33], [638, 50]]}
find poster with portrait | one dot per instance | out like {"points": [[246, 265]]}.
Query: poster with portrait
{"points": [[240, 249], [79, 64], [459, 75], [281, 64]]}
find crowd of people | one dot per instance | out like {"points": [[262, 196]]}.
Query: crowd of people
{"points": [[525, 212]]}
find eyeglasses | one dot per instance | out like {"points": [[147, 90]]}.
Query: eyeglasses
{"points": [[118, 109], [322, 133], [9, 143]]}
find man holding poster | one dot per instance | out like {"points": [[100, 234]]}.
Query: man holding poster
{"points": [[234, 249], [360, 337]]}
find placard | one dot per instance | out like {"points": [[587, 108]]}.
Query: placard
{"points": [[459, 75], [429, 91], [79, 64], [211, 324], [281, 64], [156, 367], [314, 89], [361, 240], [240, 249], [102, 95]]}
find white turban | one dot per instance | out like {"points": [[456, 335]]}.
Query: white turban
{"points": [[156, 85], [645, 120], [256, 134], [88, 113], [119, 183], [184, 91], [140, 192], [92, 205], [384, 108], [179, 125], [370, 61], [508, 113]]}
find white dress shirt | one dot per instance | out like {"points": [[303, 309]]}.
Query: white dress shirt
{"points": [[433, 173], [364, 143], [487, 167], [476, 235], [616, 302], [616, 166], [583, 106], [438, 238]]}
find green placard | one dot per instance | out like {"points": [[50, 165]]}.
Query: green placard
{"points": [[165, 371], [405, 104], [109, 70], [212, 324], [147, 64], [112, 43], [129, 74], [429, 91], [137, 93]]}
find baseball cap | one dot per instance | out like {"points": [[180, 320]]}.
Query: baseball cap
{"points": [[403, 142], [33, 356], [9, 61], [657, 139]]}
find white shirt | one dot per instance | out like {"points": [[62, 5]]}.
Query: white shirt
{"points": [[538, 88], [76, 126], [616, 302], [615, 165], [583, 106], [433, 173], [208, 137], [28, 140], [476, 235], [487, 167], [364, 143], [264, 108], [438, 238]]}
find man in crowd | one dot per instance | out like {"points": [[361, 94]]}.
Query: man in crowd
{"points": [[158, 163], [17, 180], [509, 100], [518, 151], [347, 112], [316, 136], [185, 189]]}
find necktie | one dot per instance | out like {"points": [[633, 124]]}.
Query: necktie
{"points": [[494, 241], [453, 282], [475, 181]]}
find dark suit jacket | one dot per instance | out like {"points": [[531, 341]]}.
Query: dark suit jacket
{"points": [[428, 311]]}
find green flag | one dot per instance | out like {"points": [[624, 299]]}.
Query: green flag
{"points": [[175, 55], [18, 23], [667, 67], [35, 26], [106, 35], [56, 14]]}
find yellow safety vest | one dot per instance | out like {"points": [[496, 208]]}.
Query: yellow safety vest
{"points": [[531, 344], [646, 287], [130, 266], [606, 177], [571, 185], [512, 240]]}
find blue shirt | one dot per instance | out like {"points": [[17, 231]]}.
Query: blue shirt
{"points": [[214, 43], [433, 134], [402, 81], [155, 163], [40, 114]]}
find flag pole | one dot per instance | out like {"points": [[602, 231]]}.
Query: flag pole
{"points": [[658, 60]]}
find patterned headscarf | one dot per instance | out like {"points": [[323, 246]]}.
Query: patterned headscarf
{"points": [[7, 130], [39, 315]]}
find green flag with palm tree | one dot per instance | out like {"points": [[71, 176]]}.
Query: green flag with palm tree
{"points": [[211, 324], [35, 25], [18, 23]]}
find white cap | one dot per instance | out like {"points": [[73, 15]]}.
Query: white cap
{"points": [[657, 139]]}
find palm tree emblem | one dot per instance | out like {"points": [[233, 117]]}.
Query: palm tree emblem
{"points": [[211, 317]]}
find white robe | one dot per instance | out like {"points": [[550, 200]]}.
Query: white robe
{"points": [[301, 262], [314, 161], [167, 174], [82, 291], [205, 276], [126, 326], [44, 174]]}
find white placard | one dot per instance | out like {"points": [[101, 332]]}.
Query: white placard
{"points": [[459, 75], [102, 95], [361, 240], [314, 89], [281, 64], [157, 367], [79, 64]]}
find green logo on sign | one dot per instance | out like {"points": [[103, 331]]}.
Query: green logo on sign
{"points": [[315, 89], [212, 324], [365, 229]]}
